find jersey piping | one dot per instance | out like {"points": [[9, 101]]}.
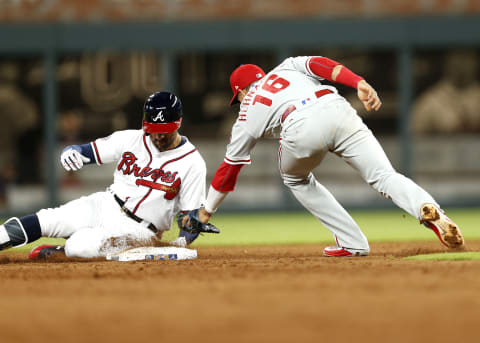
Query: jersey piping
{"points": [[148, 165], [97, 155]]}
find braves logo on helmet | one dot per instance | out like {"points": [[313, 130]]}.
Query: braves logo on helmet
{"points": [[159, 116], [162, 113]]}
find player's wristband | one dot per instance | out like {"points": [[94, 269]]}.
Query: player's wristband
{"points": [[226, 176], [214, 199], [348, 78], [84, 149]]}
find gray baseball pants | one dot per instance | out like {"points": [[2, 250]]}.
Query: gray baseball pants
{"points": [[308, 134]]}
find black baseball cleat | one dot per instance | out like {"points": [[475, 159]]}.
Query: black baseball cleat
{"points": [[44, 251]]}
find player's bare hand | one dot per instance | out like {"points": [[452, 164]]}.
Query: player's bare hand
{"points": [[186, 221], [204, 216], [368, 96], [72, 159]]}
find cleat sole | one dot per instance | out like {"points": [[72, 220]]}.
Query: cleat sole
{"points": [[446, 230]]}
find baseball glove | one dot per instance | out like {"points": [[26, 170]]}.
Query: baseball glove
{"points": [[193, 225]]}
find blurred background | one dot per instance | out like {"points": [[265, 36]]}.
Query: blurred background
{"points": [[73, 71]]}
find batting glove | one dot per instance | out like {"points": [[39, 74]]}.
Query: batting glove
{"points": [[72, 159]]}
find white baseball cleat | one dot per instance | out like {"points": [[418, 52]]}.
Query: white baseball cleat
{"points": [[447, 231], [336, 251]]}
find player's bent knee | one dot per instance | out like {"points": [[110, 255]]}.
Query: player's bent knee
{"points": [[72, 249], [82, 244], [292, 181], [381, 178]]}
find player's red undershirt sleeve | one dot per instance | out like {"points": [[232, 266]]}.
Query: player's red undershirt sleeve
{"points": [[226, 177], [323, 67]]}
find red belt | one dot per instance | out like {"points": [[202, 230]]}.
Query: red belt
{"points": [[292, 108]]}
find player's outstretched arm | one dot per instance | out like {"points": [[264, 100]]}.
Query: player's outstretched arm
{"points": [[75, 156], [331, 70], [336, 72], [223, 182], [213, 201]]}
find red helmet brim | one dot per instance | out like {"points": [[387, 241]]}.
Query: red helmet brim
{"points": [[162, 127]]}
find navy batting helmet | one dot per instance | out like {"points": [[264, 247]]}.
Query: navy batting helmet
{"points": [[162, 113]]}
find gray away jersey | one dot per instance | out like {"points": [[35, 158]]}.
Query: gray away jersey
{"points": [[290, 83]]}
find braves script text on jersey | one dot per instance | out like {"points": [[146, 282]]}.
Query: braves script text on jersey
{"points": [[154, 185]]}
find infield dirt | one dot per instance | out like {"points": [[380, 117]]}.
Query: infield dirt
{"points": [[243, 294]]}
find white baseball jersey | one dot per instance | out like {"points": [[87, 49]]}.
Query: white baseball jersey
{"points": [[154, 185], [291, 83]]}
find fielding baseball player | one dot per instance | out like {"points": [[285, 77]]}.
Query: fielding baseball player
{"points": [[291, 104], [158, 174]]}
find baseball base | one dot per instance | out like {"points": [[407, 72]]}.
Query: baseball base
{"points": [[153, 254]]}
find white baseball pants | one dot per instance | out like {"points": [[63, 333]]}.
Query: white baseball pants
{"points": [[93, 225]]}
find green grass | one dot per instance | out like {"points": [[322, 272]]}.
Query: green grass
{"points": [[447, 256], [302, 228]]}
